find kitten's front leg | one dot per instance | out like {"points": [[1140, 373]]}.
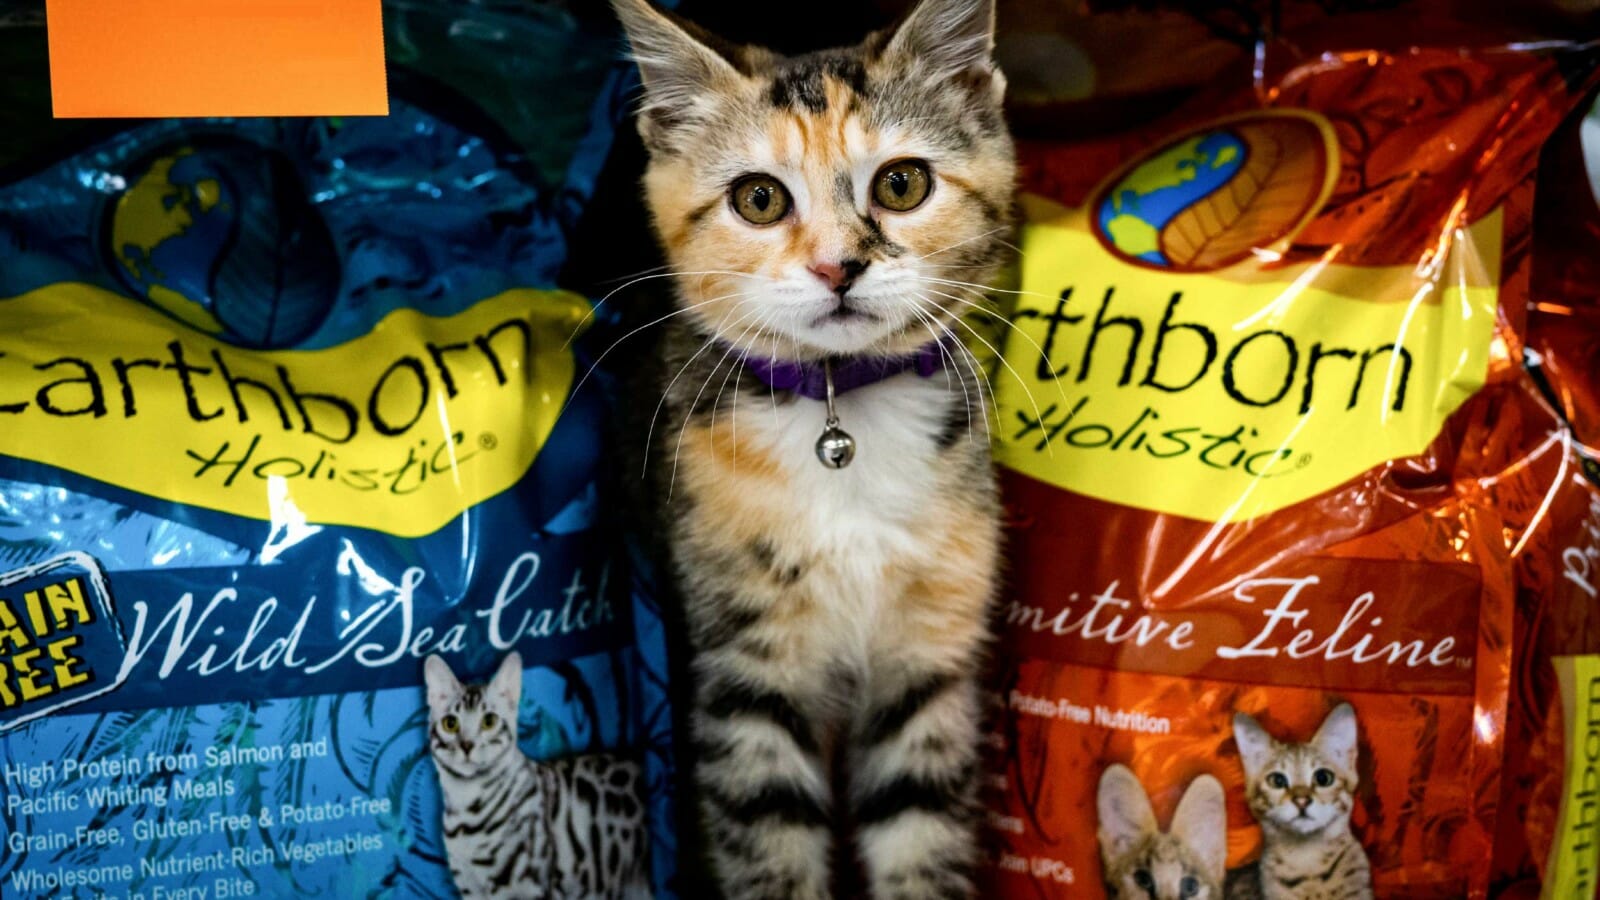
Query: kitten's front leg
{"points": [[913, 790], [763, 791], [914, 745]]}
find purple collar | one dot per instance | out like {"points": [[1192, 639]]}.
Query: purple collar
{"points": [[807, 379]]}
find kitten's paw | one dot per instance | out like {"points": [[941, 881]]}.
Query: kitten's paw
{"points": [[776, 887], [931, 882], [922, 856]]}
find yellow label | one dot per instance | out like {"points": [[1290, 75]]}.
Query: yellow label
{"points": [[399, 430], [1227, 394], [1575, 852]]}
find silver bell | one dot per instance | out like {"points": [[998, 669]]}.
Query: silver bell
{"points": [[836, 447]]}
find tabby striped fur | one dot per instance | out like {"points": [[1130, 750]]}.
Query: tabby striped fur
{"points": [[837, 617], [568, 829]]}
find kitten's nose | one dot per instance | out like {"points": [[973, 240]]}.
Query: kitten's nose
{"points": [[1302, 801], [838, 276], [466, 746]]}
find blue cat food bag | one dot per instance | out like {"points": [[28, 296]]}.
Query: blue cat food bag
{"points": [[287, 406]]}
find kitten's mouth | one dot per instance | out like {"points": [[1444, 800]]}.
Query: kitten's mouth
{"points": [[843, 313]]}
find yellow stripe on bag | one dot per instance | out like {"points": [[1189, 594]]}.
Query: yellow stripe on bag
{"points": [[1229, 394], [398, 430]]}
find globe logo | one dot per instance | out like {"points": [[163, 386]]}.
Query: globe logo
{"points": [[219, 234], [1219, 195]]}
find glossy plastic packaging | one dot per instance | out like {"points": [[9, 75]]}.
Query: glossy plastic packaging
{"points": [[1291, 585], [285, 407]]}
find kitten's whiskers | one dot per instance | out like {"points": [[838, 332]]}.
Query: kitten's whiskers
{"points": [[667, 392], [980, 375], [614, 344], [733, 348], [1014, 374], [733, 413], [976, 237], [965, 394], [981, 288], [589, 316], [996, 315]]}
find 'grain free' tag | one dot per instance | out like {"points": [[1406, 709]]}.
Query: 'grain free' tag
{"points": [[159, 58]]}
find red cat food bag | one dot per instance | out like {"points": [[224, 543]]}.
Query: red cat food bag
{"points": [[1287, 610]]}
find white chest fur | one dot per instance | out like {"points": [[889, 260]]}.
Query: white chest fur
{"points": [[896, 425], [836, 552], [870, 518]]}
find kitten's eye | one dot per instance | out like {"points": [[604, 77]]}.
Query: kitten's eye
{"points": [[760, 199], [490, 720], [1144, 881], [450, 724], [902, 186], [1278, 780], [1323, 777], [1190, 886]]}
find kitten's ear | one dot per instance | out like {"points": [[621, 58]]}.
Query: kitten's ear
{"points": [[679, 70], [507, 681], [442, 684], [952, 38], [1125, 813], [1338, 736], [1201, 824], [1255, 745]]}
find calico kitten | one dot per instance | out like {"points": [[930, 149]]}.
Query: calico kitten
{"points": [[838, 211], [569, 829], [1141, 862], [1302, 795]]}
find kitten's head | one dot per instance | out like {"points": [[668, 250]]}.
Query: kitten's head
{"points": [[1300, 789], [832, 203], [1187, 862], [471, 726]]}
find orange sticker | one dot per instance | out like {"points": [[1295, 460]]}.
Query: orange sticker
{"points": [[158, 58]]}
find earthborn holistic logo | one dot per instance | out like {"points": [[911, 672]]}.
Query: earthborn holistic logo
{"points": [[1166, 356], [397, 430], [60, 642]]}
